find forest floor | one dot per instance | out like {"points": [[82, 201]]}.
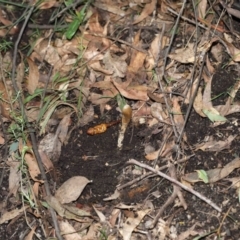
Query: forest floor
{"points": [[84, 73]]}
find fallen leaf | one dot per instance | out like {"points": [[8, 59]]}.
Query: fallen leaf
{"points": [[148, 9], [32, 167], [214, 175], [214, 145], [14, 176], [131, 93], [184, 55], [71, 189], [12, 214], [201, 7], [68, 231], [131, 223], [33, 77], [116, 65]]}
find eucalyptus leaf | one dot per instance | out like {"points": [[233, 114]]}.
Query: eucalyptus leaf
{"points": [[214, 116]]}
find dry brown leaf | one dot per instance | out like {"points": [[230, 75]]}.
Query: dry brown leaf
{"points": [[131, 223], [2, 140], [214, 175], [131, 93], [190, 232], [235, 182], [93, 231], [214, 145], [32, 114], [14, 176], [202, 6], [209, 65], [62, 129], [116, 65], [47, 52], [153, 155], [33, 76], [177, 114], [184, 55], [217, 52], [112, 8], [33, 167], [46, 161], [87, 117], [13, 29], [5, 107], [65, 211], [68, 231], [232, 50], [158, 112], [12, 214], [71, 189], [51, 145], [48, 4], [36, 189], [148, 9], [30, 235], [198, 104], [98, 99], [101, 216]]}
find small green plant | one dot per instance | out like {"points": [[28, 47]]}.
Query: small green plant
{"points": [[78, 19], [5, 45], [103, 234], [121, 101]]}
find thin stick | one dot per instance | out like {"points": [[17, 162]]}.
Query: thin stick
{"points": [[150, 175], [208, 201]]}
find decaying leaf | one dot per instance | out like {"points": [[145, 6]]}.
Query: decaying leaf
{"points": [[184, 55], [51, 144], [12, 214], [5, 107], [71, 189], [214, 145], [131, 223], [68, 231], [66, 211], [33, 77], [14, 176], [148, 9], [214, 175], [33, 167], [116, 65], [131, 93]]}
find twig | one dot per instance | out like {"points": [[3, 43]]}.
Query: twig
{"points": [[187, 19], [149, 175], [208, 201], [30, 129]]}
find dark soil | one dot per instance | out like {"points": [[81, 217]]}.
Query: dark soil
{"points": [[105, 164]]}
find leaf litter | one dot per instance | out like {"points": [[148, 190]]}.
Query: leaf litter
{"points": [[144, 65]]}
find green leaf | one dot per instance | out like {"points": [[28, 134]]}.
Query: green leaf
{"points": [[78, 20], [121, 101], [202, 175], [72, 29], [214, 115], [45, 204]]}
